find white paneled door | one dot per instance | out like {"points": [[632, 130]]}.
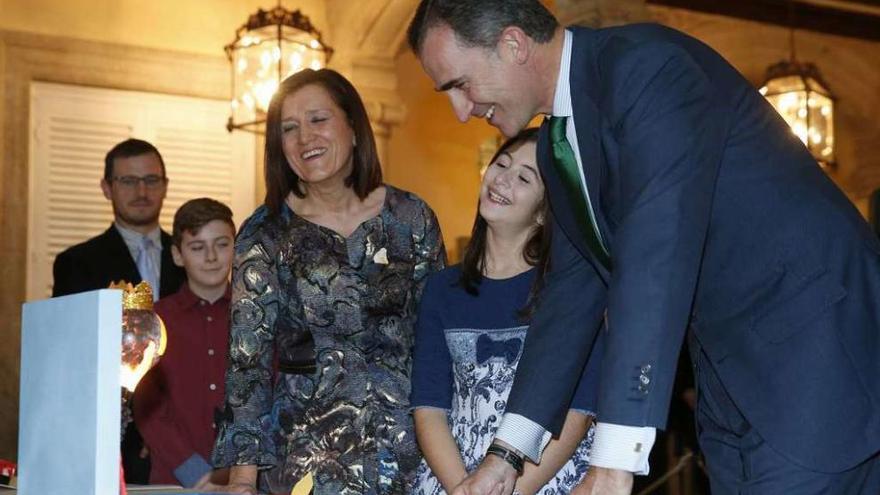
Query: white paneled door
{"points": [[73, 127]]}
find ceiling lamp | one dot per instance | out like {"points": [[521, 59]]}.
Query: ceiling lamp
{"points": [[797, 91], [270, 46]]}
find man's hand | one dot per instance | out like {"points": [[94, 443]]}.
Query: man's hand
{"points": [[494, 477], [605, 481]]}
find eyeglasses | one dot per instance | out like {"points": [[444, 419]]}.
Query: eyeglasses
{"points": [[132, 181]]}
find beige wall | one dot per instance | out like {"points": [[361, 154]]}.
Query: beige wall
{"points": [[851, 67], [194, 26], [435, 156]]}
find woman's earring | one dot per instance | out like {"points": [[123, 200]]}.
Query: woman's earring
{"points": [[354, 142]]}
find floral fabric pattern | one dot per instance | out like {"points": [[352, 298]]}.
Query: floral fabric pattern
{"points": [[300, 289], [483, 375]]}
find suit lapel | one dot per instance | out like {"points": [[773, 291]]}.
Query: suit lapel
{"points": [[587, 122], [170, 274], [562, 213]]}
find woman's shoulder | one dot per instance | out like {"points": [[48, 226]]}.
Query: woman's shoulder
{"points": [[261, 224], [406, 204]]}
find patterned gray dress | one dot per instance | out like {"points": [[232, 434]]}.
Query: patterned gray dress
{"points": [[335, 317]]}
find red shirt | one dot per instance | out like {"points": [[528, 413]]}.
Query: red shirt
{"points": [[174, 403]]}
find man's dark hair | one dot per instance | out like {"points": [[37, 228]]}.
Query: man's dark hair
{"points": [[127, 149], [480, 22], [195, 214], [366, 174]]}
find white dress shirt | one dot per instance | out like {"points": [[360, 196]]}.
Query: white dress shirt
{"points": [[614, 446], [132, 240]]}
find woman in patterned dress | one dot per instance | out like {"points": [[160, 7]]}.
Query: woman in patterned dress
{"points": [[472, 324], [326, 281]]}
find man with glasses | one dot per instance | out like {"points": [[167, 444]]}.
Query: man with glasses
{"points": [[134, 248]]}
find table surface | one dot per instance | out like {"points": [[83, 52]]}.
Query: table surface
{"points": [[137, 490]]}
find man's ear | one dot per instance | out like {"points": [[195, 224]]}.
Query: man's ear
{"points": [[106, 187], [176, 256], [516, 44]]}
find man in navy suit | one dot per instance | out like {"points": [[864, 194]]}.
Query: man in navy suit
{"points": [[134, 248], [683, 207]]}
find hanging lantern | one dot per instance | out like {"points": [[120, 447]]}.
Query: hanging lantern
{"points": [[796, 90], [270, 46]]}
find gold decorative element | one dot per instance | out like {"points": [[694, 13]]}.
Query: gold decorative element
{"points": [[137, 297]]}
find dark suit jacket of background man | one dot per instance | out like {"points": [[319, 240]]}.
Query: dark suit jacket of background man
{"points": [[94, 264], [717, 219], [100, 260]]}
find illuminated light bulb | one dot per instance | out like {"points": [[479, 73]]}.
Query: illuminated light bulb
{"points": [[296, 61], [263, 92], [143, 333], [314, 44], [788, 100], [316, 64], [800, 130]]}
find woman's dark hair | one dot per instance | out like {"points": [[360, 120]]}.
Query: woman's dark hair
{"points": [[536, 251], [366, 174]]}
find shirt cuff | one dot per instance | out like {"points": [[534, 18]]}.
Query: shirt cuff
{"points": [[524, 435], [623, 447], [191, 471]]}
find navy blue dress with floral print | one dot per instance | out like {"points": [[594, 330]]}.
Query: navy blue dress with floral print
{"points": [[467, 350]]}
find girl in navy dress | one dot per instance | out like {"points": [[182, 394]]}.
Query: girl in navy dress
{"points": [[472, 322]]}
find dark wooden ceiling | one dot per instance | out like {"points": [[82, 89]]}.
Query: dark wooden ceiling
{"points": [[853, 18]]}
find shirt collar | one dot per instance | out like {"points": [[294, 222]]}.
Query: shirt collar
{"points": [[187, 298], [562, 97], [132, 237]]}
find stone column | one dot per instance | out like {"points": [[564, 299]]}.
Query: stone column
{"points": [[376, 81]]}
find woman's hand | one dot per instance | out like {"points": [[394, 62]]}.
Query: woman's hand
{"points": [[242, 479]]}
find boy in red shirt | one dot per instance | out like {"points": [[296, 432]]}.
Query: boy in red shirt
{"points": [[176, 400]]}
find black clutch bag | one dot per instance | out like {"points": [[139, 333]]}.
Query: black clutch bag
{"points": [[297, 354]]}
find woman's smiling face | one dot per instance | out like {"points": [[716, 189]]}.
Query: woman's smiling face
{"points": [[317, 139]]}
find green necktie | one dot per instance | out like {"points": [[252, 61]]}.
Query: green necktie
{"points": [[567, 168]]}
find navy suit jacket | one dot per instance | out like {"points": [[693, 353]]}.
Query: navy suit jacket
{"points": [[100, 260], [717, 219]]}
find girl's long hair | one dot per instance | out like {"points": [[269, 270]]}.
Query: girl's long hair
{"points": [[536, 251]]}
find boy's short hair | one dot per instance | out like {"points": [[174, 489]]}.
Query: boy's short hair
{"points": [[195, 214]]}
